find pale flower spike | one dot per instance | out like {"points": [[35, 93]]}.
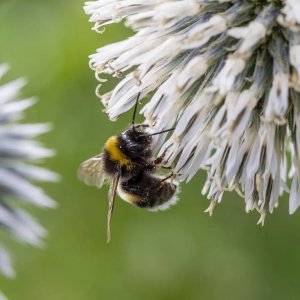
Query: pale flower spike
{"points": [[18, 150], [226, 75]]}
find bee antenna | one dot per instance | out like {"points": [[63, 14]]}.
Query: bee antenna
{"points": [[135, 108], [160, 132]]}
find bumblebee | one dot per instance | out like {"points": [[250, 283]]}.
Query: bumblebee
{"points": [[127, 164]]}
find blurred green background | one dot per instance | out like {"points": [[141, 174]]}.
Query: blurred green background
{"points": [[178, 254]]}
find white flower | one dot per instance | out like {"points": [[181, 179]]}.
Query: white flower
{"points": [[17, 151], [226, 74]]}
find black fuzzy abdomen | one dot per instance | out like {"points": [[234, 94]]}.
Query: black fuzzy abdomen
{"points": [[150, 192], [158, 197]]}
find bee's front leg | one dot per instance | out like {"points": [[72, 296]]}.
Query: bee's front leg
{"points": [[166, 178], [160, 159], [151, 165]]}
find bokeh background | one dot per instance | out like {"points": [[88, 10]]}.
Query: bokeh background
{"points": [[178, 254]]}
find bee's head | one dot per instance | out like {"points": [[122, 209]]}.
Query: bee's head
{"points": [[139, 134], [136, 142]]}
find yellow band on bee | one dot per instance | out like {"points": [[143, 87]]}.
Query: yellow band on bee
{"points": [[114, 152]]}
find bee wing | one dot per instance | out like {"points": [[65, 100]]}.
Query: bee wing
{"points": [[112, 196], [91, 171]]}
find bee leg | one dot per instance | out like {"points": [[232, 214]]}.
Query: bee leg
{"points": [[172, 174], [166, 178], [151, 166], [160, 159]]}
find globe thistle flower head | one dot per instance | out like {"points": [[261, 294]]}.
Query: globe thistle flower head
{"points": [[17, 152], [226, 74]]}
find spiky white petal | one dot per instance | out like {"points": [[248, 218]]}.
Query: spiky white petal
{"points": [[226, 74], [17, 152]]}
